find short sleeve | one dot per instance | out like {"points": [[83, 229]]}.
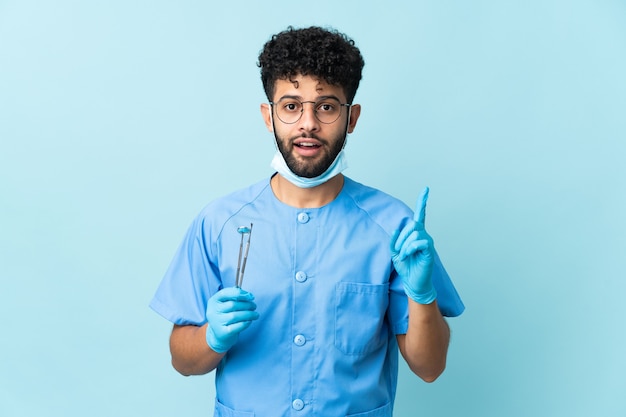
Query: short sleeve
{"points": [[189, 281], [448, 299]]}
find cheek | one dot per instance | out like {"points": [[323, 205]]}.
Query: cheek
{"points": [[279, 137], [282, 132]]}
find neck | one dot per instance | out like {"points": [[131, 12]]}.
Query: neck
{"points": [[314, 197]]}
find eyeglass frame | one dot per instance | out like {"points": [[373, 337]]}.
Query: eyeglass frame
{"points": [[272, 103]]}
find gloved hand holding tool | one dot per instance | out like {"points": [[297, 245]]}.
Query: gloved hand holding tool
{"points": [[230, 311]]}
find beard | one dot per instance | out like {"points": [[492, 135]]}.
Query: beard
{"points": [[310, 168]]}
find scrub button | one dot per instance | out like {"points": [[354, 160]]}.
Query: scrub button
{"points": [[299, 340], [300, 276], [303, 218], [297, 404]]}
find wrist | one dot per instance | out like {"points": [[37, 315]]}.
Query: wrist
{"points": [[214, 343], [423, 296]]}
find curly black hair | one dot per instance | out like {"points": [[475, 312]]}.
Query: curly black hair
{"points": [[322, 53]]}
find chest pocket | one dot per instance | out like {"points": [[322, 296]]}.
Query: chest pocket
{"points": [[222, 411], [360, 309]]}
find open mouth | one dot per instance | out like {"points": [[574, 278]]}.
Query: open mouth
{"points": [[307, 143]]}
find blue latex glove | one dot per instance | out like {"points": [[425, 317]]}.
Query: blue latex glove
{"points": [[413, 255], [229, 312]]}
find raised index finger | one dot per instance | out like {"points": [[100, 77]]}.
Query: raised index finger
{"points": [[420, 210]]}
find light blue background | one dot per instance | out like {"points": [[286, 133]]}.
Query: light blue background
{"points": [[119, 120]]}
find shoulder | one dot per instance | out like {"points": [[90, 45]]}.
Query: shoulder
{"points": [[384, 209]]}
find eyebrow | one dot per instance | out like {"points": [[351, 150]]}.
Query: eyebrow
{"points": [[300, 98]]}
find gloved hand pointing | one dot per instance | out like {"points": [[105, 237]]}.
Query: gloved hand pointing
{"points": [[412, 253], [229, 312]]}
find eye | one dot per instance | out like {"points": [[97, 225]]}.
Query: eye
{"points": [[292, 107], [326, 107]]}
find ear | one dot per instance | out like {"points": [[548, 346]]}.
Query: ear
{"points": [[266, 112], [355, 112]]}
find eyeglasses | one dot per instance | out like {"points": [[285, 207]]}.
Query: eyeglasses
{"points": [[326, 110]]}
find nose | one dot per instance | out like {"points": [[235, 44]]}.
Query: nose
{"points": [[308, 121]]}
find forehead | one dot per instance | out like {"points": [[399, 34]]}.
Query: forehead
{"points": [[306, 87]]}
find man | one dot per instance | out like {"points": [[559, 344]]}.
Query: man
{"points": [[339, 276]]}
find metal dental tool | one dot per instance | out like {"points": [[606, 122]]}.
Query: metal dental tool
{"points": [[241, 267]]}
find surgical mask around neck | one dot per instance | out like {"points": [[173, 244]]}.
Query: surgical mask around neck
{"points": [[338, 166]]}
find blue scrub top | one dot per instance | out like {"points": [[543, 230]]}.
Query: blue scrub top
{"points": [[329, 300]]}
